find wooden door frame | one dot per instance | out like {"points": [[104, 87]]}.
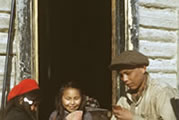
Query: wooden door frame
{"points": [[27, 40], [124, 36]]}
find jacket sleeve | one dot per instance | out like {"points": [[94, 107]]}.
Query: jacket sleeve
{"points": [[113, 118], [164, 107], [135, 117], [53, 115]]}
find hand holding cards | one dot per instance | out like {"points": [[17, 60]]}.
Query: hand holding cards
{"points": [[116, 107], [76, 115]]}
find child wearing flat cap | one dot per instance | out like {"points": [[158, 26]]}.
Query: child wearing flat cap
{"points": [[144, 99], [22, 101]]}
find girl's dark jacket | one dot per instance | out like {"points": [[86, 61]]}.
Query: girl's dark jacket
{"points": [[18, 113]]}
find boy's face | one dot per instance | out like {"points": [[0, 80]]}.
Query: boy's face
{"points": [[133, 78]]}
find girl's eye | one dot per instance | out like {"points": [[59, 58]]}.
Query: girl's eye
{"points": [[67, 98], [77, 98]]}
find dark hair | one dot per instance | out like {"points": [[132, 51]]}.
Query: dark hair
{"points": [[15, 102], [58, 102]]}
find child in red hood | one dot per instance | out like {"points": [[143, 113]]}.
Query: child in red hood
{"points": [[22, 101]]}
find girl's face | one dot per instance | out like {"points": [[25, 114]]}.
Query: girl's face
{"points": [[71, 99]]}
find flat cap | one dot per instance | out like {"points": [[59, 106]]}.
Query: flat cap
{"points": [[129, 59]]}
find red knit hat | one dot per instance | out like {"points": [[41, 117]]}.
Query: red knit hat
{"points": [[24, 86]]}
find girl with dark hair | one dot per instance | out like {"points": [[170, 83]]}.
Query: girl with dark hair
{"points": [[23, 101], [72, 104]]}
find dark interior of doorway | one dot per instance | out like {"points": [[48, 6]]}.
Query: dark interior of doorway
{"points": [[74, 44]]}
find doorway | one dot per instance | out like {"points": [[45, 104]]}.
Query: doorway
{"points": [[74, 44]]}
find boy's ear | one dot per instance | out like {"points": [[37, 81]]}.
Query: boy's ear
{"points": [[144, 69]]}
